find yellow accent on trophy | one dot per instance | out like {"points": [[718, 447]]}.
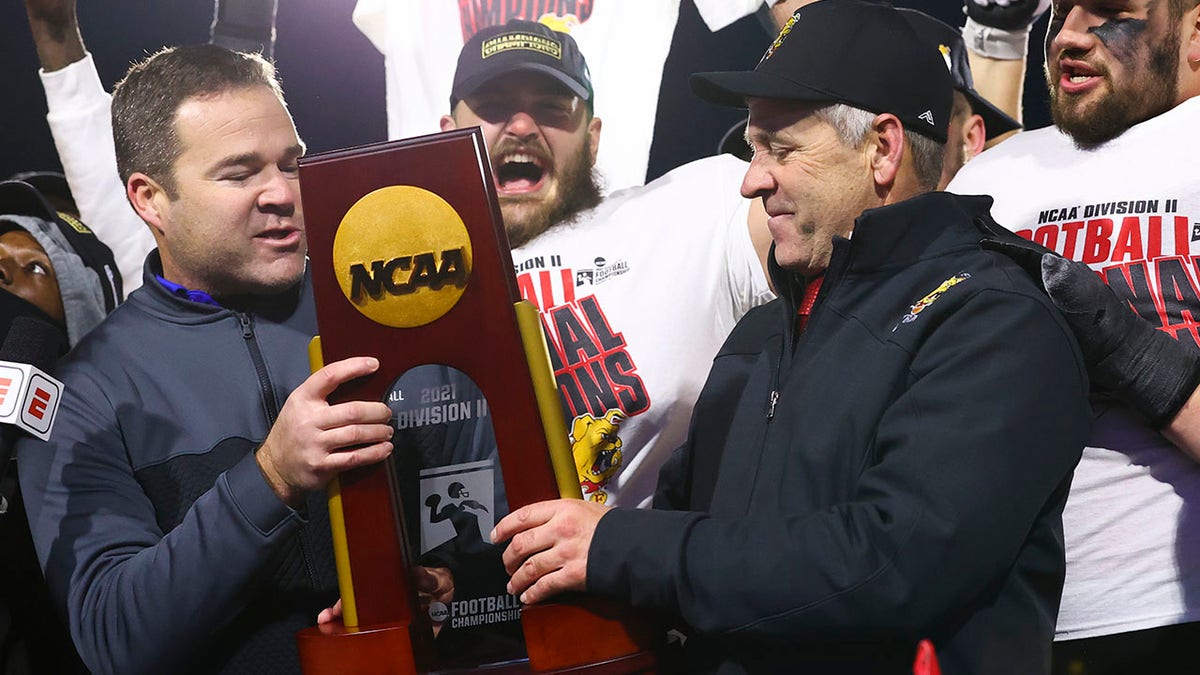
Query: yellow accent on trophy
{"points": [[337, 518], [402, 256], [533, 339]]}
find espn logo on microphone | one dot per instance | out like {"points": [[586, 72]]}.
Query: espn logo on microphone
{"points": [[28, 398]]}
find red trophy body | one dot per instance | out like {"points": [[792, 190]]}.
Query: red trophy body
{"points": [[410, 264]]}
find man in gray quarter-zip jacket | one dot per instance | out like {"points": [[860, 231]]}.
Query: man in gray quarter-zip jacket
{"points": [[177, 509]]}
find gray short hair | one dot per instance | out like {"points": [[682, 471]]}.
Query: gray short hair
{"points": [[852, 125]]}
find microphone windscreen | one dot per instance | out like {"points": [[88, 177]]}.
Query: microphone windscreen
{"points": [[34, 342]]}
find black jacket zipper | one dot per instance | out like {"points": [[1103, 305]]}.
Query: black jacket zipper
{"points": [[271, 408], [270, 404], [791, 341]]}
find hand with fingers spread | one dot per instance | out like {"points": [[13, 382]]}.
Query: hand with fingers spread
{"points": [[548, 551], [313, 441]]}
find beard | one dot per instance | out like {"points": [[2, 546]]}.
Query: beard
{"points": [[1120, 107], [525, 218]]}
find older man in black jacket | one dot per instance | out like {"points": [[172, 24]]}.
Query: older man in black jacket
{"points": [[882, 454]]}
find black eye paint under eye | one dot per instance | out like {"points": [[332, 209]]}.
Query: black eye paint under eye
{"points": [[1122, 37]]}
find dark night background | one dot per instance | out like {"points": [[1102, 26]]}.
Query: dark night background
{"points": [[333, 76]]}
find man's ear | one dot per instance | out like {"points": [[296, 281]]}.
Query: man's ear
{"points": [[149, 199], [1191, 32], [448, 124], [594, 137], [974, 136], [885, 149]]}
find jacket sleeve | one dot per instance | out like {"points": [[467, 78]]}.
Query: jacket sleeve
{"points": [[978, 446], [81, 124], [136, 600]]}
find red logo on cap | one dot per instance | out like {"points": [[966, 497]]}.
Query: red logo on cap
{"points": [[478, 14]]}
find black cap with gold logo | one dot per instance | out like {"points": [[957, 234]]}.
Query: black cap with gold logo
{"points": [[520, 46], [858, 53]]}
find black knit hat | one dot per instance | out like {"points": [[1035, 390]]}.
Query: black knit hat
{"points": [[846, 51], [520, 46]]}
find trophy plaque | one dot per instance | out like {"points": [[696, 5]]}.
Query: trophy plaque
{"points": [[410, 264]]}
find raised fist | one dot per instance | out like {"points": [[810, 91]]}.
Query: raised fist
{"points": [[1006, 14]]}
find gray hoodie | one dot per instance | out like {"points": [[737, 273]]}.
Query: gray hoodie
{"points": [[87, 277]]}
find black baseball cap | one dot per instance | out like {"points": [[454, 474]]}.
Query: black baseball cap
{"points": [[53, 186], [520, 46], [949, 42], [846, 51]]}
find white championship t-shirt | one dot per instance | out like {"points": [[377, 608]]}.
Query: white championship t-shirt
{"points": [[1130, 209], [625, 43], [636, 298]]}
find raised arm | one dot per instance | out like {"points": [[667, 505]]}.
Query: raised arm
{"points": [[55, 33], [997, 37], [245, 25], [82, 129], [1142, 366], [1126, 356]]}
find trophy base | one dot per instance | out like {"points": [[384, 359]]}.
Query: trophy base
{"points": [[331, 648], [590, 634], [583, 635]]}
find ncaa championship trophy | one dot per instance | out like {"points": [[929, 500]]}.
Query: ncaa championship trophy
{"points": [[410, 264]]}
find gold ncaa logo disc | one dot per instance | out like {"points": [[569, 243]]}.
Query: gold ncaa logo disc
{"points": [[402, 256]]}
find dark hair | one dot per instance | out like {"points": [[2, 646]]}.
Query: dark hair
{"points": [[146, 101]]}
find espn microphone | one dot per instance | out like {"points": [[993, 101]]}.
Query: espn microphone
{"points": [[29, 397]]}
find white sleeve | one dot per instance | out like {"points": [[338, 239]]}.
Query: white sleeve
{"points": [[718, 14], [370, 17], [81, 124]]}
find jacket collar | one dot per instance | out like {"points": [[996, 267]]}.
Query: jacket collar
{"points": [[900, 234], [276, 306]]}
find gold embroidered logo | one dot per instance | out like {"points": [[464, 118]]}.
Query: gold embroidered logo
{"points": [[526, 41], [402, 256], [74, 223], [945, 50], [783, 33], [561, 23], [932, 297]]}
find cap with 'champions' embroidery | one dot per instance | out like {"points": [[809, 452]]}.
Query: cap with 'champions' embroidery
{"points": [[520, 46]]}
